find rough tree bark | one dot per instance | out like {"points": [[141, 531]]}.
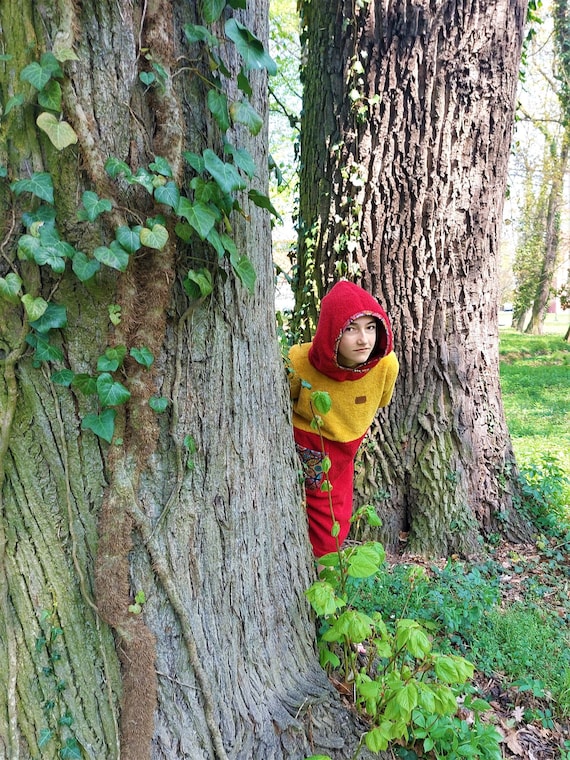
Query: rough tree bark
{"points": [[405, 142], [198, 508]]}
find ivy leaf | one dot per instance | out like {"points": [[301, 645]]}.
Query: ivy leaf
{"points": [[243, 267], [194, 160], [129, 238], [84, 267], [249, 47], [237, 4], [44, 350], [143, 177], [184, 231], [263, 202], [13, 102], [53, 318], [198, 283], [147, 77], [103, 425], [226, 175], [168, 194], [112, 359], [197, 33], [10, 287], [36, 75], [114, 168], [93, 205], [212, 10], [244, 84], [85, 383], [116, 258], [242, 159], [143, 356], [45, 737], [63, 377], [161, 166], [40, 184], [50, 96], [158, 404], [111, 392], [59, 132], [242, 112], [34, 307], [49, 256], [218, 105], [155, 238], [198, 215]]}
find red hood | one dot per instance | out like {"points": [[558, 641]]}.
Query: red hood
{"points": [[344, 303]]}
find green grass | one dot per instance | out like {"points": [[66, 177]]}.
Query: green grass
{"points": [[535, 381]]}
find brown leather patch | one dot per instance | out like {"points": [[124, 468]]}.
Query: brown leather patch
{"points": [[360, 400]]}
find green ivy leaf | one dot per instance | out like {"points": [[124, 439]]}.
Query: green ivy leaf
{"points": [[44, 738], [36, 75], [143, 356], [84, 267], [212, 10], [158, 404], [242, 159], [147, 78], [63, 377], [243, 267], [51, 257], [242, 112], [116, 258], [197, 33], [198, 215], [263, 202], [249, 47], [111, 392], [84, 383], [218, 105], [50, 96], [59, 132], [10, 287], [40, 184], [243, 84], [129, 238], [94, 205], [114, 168], [53, 318], [155, 238], [161, 166], [226, 175], [194, 160], [184, 231], [44, 350], [103, 425], [198, 283], [168, 194], [34, 307], [144, 177], [13, 102], [112, 359]]}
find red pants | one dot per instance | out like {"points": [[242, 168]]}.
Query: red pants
{"points": [[319, 502]]}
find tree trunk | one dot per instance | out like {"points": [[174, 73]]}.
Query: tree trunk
{"points": [[405, 143], [151, 588]]}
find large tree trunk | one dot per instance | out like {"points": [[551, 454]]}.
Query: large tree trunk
{"points": [[197, 508], [403, 177]]}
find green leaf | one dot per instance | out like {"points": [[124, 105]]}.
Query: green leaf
{"points": [[49, 256], [50, 96], [112, 359], [10, 287], [44, 737], [94, 205], [226, 175], [36, 75], [249, 47], [194, 160], [364, 561], [13, 102], [156, 238], [128, 238], [218, 105], [196, 33], [158, 404], [321, 401], [184, 231], [114, 168], [84, 383], [53, 318], [116, 258], [212, 10], [198, 284], [168, 194], [34, 307], [242, 112], [44, 350], [147, 77], [111, 392], [242, 159], [243, 267], [63, 377], [103, 425], [114, 313], [244, 84], [376, 740], [453, 669], [263, 202], [144, 177], [161, 166], [143, 356], [198, 215], [84, 267], [40, 184], [59, 132], [323, 599]]}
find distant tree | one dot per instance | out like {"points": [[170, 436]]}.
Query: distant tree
{"points": [[405, 139]]}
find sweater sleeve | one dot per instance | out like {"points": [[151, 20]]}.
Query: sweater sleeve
{"points": [[391, 375]]}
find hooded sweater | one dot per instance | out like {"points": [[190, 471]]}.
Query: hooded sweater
{"points": [[356, 393]]}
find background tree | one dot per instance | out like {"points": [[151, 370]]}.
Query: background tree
{"points": [[153, 554], [405, 140]]}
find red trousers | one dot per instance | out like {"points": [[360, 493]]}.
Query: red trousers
{"points": [[324, 507]]}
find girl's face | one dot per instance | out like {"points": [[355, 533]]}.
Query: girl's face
{"points": [[357, 342]]}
